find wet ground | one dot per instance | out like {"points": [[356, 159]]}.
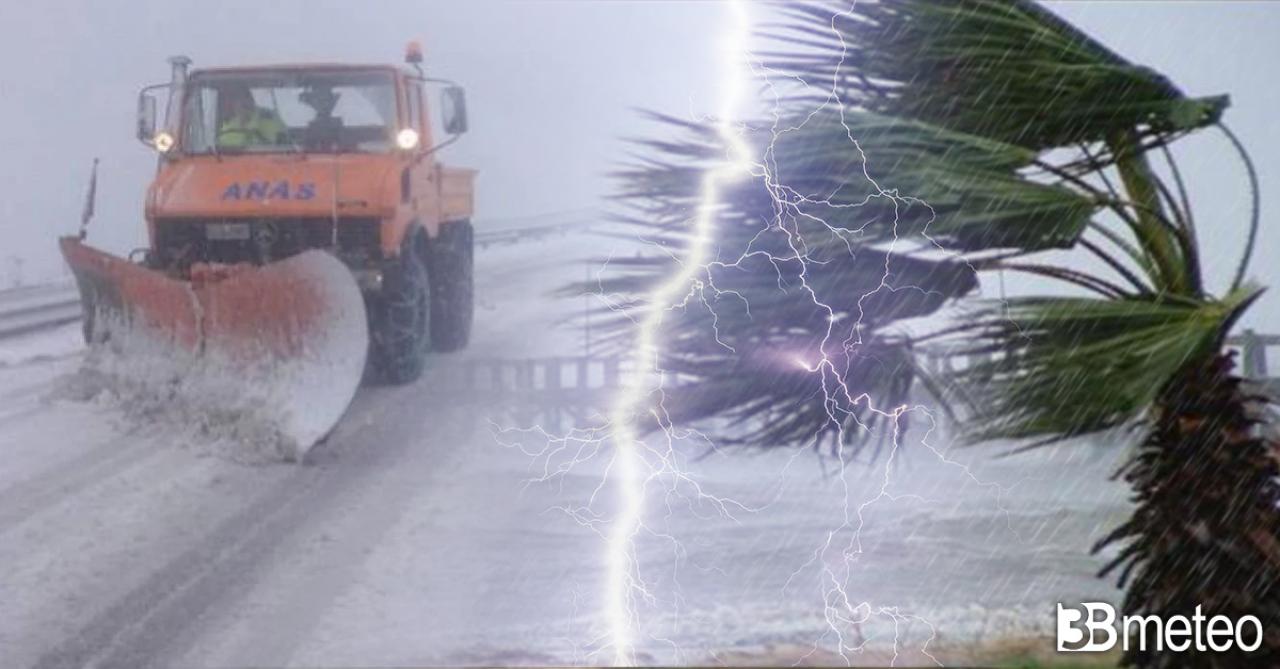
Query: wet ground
{"points": [[420, 533]]}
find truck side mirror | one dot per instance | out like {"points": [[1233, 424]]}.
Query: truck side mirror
{"points": [[453, 110], [146, 118]]}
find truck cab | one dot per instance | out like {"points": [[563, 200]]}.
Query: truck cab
{"points": [[257, 164]]}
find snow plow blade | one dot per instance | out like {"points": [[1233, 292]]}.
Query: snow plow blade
{"points": [[273, 352]]}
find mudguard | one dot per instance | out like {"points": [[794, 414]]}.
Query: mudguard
{"points": [[280, 347]]}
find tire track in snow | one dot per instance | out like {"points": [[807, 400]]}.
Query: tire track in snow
{"points": [[158, 621], [162, 616], [25, 499], [296, 602], [29, 397], [24, 391], [14, 415]]}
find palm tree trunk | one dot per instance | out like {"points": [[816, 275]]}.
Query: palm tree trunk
{"points": [[1206, 530]]}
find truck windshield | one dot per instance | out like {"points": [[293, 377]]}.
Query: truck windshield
{"points": [[289, 110]]}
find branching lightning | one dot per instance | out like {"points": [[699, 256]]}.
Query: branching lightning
{"points": [[627, 467], [633, 465]]}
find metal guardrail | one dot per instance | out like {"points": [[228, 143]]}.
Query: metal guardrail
{"points": [[526, 233], [553, 393], [33, 308], [1253, 358], [552, 376], [1252, 361], [25, 310]]}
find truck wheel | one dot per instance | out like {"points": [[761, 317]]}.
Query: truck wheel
{"points": [[453, 287], [400, 321]]}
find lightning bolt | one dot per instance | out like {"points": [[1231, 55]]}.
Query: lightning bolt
{"points": [[627, 468], [633, 465], [837, 559]]}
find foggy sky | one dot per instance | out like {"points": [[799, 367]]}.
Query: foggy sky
{"points": [[552, 89]]}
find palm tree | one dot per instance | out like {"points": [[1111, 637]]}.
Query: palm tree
{"points": [[918, 146]]}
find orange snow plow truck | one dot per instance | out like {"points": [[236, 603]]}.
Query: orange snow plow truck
{"points": [[302, 237]]}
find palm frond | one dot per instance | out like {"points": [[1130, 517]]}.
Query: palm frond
{"points": [[1004, 69], [1057, 367], [798, 352], [884, 179], [898, 178], [800, 298]]}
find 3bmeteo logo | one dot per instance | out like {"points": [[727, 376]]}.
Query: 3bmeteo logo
{"points": [[1093, 623]]}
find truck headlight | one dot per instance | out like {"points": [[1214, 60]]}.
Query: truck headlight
{"points": [[407, 138], [163, 141]]}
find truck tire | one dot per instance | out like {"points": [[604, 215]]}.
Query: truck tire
{"points": [[453, 287], [400, 321]]}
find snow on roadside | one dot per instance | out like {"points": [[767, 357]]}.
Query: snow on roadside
{"points": [[58, 342]]}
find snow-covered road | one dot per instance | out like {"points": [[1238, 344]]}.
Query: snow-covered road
{"points": [[413, 536]]}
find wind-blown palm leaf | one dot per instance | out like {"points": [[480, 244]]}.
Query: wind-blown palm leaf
{"points": [[1061, 367], [828, 315], [895, 179], [789, 291], [899, 178], [726, 361], [1004, 69]]}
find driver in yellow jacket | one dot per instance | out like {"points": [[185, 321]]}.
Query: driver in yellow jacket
{"points": [[244, 123]]}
